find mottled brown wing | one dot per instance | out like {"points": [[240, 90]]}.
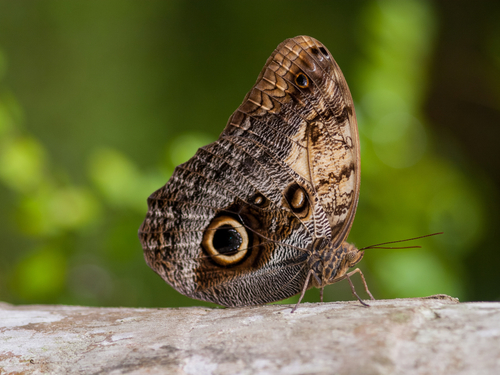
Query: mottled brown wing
{"points": [[234, 225], [331, 160]]}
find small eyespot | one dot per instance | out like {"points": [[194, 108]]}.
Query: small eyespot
{"points": [[225, 240], [302, 81], [320, 53], [297, 199], [259, 200]]}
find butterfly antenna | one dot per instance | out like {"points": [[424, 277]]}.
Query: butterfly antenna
{"points": [[379, 246]]}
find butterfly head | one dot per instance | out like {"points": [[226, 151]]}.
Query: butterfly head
{"points": [[352, 255], [345, 257], [331, 264]]}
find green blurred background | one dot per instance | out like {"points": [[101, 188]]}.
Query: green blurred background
{"points": [[99, 100]]}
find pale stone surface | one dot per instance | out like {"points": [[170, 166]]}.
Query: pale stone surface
{"points": [[408, 336]]}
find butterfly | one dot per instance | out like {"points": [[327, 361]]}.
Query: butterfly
{"points": [[264, 212]]}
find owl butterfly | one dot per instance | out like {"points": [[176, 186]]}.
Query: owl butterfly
{"points": [[263, 213]]}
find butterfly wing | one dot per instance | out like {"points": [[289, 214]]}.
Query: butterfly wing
{"points": [[233, 224], [333, 141]]}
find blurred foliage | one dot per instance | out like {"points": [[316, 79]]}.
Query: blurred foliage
{"points": [[100, 100]]}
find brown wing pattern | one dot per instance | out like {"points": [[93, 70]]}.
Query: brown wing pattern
{"points": [[235, 224]]}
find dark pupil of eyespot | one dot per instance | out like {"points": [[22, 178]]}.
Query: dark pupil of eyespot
{"points": [[323, 51], [301, 80], [226, 240]]}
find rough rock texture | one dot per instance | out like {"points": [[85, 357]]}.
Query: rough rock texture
{"points": [[435, 335]]}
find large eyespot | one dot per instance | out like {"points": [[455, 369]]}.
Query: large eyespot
{"points": [[297, 199], [225, 240], [301, 80]]}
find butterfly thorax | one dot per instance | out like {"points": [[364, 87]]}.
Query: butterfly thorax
{"points": [[331, 264]]}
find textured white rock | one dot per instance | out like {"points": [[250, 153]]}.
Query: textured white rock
{"points": [[408, 336]]}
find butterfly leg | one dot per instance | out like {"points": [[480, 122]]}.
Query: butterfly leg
{"points": [[303, 289], [357, 270], [354, 290], [321, 294]]}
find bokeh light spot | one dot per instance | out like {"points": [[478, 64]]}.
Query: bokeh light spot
{"points": [[40, 275]]}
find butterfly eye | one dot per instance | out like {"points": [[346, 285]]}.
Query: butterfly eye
{"points": [[353, 255], [301, 80], [297, 199], [225, 240]]}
